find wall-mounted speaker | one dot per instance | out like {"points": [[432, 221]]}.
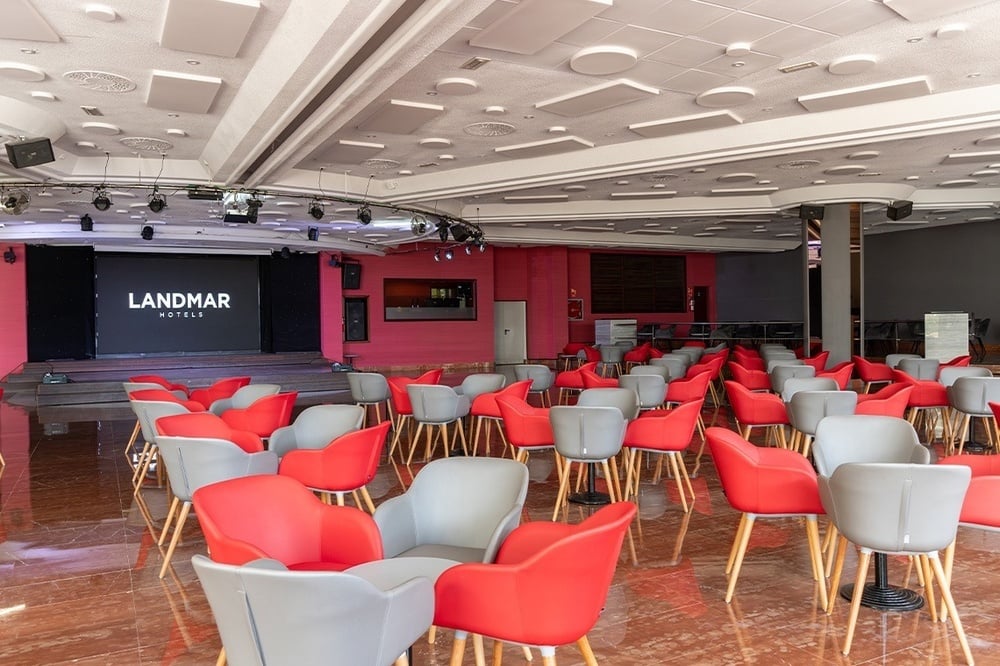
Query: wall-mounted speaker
{"points": [[350, 276], [30, 152], [897, 210], [810, 212]]}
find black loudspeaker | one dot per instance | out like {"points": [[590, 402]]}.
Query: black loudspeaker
{"points": [[898, 210], [351, 276], [355, 319], [30, 152], [810, 212]]}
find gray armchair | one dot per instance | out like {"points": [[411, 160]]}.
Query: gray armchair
{"points": [[625, 400], [269, 615], [793, 385], [316, 427], [779, 373], [437, 405], [969, 397], [920, 368], [458, 509], [866, 438], [675, 365], [588, 434], [808, 408], [541, 377], [370, 388], [651, 389], [243, 398]]}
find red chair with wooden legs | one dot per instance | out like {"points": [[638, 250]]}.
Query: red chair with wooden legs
{"points": [[818, 361], [401, 406], [571, 381], [593, 380], [486, 411], [162, 381], [223, 388], [758, 410], [841, 373], [928, 402], [637, 356], [713, 366], [264, 415], [345, 465], [889, 401], [165, 395], [755, 380], [528, 428], [763, 483], [958, 362], [666, 432], [210, 426], [689, 389], [750, 362], [871, 372], [546, 588], [276, 517]]}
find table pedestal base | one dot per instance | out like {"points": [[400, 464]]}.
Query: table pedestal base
{"points": [[590, 497], [882, 596]]}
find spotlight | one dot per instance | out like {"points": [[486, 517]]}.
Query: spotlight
{"points": [[313, 234], [86, 223], [448, 254], [101, 201], [157, 202], [419, 225], [316, 209], [253, 205], [9, 255], [460, 233], [286, 253], [437, 255], [443, 231], [365, 214], [147, 233], [482, 245], [468, 248], [335, 262]]}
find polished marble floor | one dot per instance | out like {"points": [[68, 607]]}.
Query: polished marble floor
{"points": [[78, 572]]}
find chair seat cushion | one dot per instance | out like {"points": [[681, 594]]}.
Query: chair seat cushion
{"points": [[441, 551]]}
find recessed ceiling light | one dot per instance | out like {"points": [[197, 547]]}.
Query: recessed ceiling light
{"points": [[622, 182], [973, 75], [912, 178], [786, 235], [652, 224], [760, 230], [717, 227], [29, 51], [914, 40], [703, 234], [699, 170], [192, 61]]}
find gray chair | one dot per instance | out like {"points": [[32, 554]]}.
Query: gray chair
{"points": [[611, 358], [919, 368], [969, 397], [244, 397], [865, 438], [892, 360], [624, 399], [193, 462], [775, 362], [541, 377], [651, 389], [316, 427], [458, 509], [780, 373], [437, 405], [370, 389], [267, 614], [676, 367], [651, 369], [481, 382], [585, 435], [695, 353], [903, 509], [949, 373], [795, 384], [807, 408], [146, 412], [722, 334]]}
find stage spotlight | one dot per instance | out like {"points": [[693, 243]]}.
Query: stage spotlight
{"points": [[157, 202], [286, 253], [316, 209], [443, 231], [448, 254], [253, 206], [437, 255], [419, 225], [460, 233], [365, 214], [898, 210], [313, 234], [101, 200], [147, 233], [482, 245], [9, 255], [86, 223], [468, 248]]}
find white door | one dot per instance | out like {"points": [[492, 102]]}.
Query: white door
{"points": [[510, 326]]}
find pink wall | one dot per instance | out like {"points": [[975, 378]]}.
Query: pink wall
{"points": [[331, 309], [13, 314], [537, 276]]}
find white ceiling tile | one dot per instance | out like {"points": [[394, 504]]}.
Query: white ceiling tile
{"points": [[590, 33], [850, 16], [791, 41], [685, 124], [653, 73], [176, 91], [732, 4], [632, 11], [924, 10], [688, 52], [793, 12], [684, 16], [22, 21], [531, 25], [597, 98], [740, 27], [398, 116], [655, 194], [642, 40], [348, 152], [695, 81], [546, 147], [492, 13], [870, 94], [215, 27], [551, 56], [752, 62]]}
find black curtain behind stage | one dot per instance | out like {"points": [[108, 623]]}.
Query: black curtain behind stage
{"points": [[60, 292], [289, 303]]}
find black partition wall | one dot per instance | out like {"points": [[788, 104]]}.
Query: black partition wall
{"points": [[290, 303], [60, 293]]}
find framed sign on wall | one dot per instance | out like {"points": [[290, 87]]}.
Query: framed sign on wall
{"points": [[575, 309]]}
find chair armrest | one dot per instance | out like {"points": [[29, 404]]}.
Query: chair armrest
{"points": [[221, 405], [507, 524], [529, 539], [282, 440], [409, 613], [397, 525]]}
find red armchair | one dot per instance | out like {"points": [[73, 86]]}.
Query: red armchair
{"points": [[264, 415], [345, 465], [888, 401], [666, 432], [755, 380], [871, 373], [209, 426], [223, 388], [637, 356], [571, 381], [758, 410], [841, 373], [958, 362], [546, 588], [712, 365], [593, 380], [165, 395], [485, 410], [276, 517], [401, 406], [528, 428], [928, 397], [818, 361], [766, 482], [162, 381], [754, 362]]}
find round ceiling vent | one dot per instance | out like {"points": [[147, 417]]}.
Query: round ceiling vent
{"points": [[657, 177], [380, 164], [146, 143], [798, 164], [489, 129], [100, 81]]}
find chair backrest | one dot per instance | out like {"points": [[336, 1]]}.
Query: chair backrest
{"points": [[541, 376], [193, 462], [479, 383], [864, 438], [244, 397], [773, 363], [694, 353], [676, 367], [807, 408], [972, 395], [316, 427], [651, 389], [436, 403], [892, 403], [206, 424], [651, 369], [780, 373], [897, 507], [626, 400], [949, 373], [485, 404], [587, 433], [131, 387], [525, 425], [919, 368], [269, 615], [892, 360], [612, 353], [795, 384], [368, 387], [665, 429], [148, 411]]}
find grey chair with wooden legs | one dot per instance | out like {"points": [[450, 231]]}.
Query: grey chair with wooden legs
{"points": [[131, 387], [779, 373], [898, 509], [969, 399], [651, 389], [920, 368], [244, 397], [316, 427], [675, 365], [793, 385], [624, 400], [193, 462], [370, 389], [541, 377], [586, 435], [611, 359], [436, 406], [269, 615], [807, 408], [892, 360]]}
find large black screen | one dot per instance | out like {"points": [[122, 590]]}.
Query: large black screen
{"points": [[167, 303]]}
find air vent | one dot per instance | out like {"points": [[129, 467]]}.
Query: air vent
{"points": [[381, 164], [798, 164], [146, 143], [489, 129], [798, 67], [100, 81], [91, 110], [474, 63]]}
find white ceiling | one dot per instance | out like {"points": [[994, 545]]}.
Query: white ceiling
{"points": [[610, 123]]}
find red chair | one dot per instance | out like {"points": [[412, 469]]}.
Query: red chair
{"points": [[223, 388], [758, 410], [655, 353], [591, 353], [958, 362], [666, 432], [209, 426], [890, 401], [486, 411], [762, 483], [593, 380], [546, 588], [264, 415], [712, 365], [980, 465], [637, 356], [345, 465], [755, 380], [162, 381], [165, 395], [841, 373], [928, 401], [871, 373], [528, 428], [818, 361], [571, 381], [401, 405], [276, 517]]}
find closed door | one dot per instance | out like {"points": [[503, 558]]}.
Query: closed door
{"points": [[510, 332]]}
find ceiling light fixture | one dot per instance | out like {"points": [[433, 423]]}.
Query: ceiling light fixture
{"points": [[157, 201], [365, 214], [316, 209], [419, 225], [443, 231], [437, 255], [101, 201], [313, 234], [448, 254], [86, 223], [147, 233]]}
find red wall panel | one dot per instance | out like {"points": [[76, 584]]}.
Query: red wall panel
{"points": [[13, 314]]}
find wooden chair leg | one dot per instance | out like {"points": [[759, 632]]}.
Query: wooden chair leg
{"points": [[588, 655], [864, 558], [221, 661], [170, 518], [413, 442], [477, 649], [812, 534], [741, 551], [181, 519], [945, 586], [457, 649], [736, 540], [838, 568], [563, 487]]}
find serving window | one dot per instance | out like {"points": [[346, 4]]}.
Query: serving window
{"points": [[414, 299]]}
